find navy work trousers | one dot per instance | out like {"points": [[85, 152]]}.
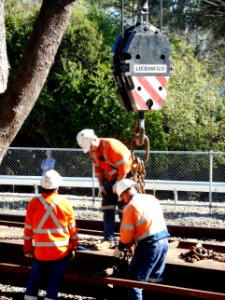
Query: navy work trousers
{"points": [[109, 204], [148, 263], [49, 272]]}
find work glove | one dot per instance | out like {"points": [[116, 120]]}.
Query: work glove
{"points": [[71, 255], [117, 253], [114, 187], [102, 192], [28, 254]]}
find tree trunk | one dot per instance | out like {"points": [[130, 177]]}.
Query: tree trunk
{"points": [[4, 64], [22, 92]]}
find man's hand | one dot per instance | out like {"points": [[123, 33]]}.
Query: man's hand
{"points": [[102, 192], [28, 254], [114, 187], [71, 255], [117, 253]]}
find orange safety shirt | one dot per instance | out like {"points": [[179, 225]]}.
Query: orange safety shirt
{"points": [[50, 227], [142, 218], [111, 160]]}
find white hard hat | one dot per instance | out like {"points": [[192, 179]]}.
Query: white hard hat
{"points": [[122, 185], [84, 139], [51, 180]]}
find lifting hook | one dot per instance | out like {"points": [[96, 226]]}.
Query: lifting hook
{"points": [[140, 137]]}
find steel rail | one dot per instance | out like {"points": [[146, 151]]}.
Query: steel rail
{"points": [[164, 290], [96, 227], [88, 269]]}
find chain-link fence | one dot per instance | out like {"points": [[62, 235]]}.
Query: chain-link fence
{"points": [[27, 162], [162, 165], [190, 169]]}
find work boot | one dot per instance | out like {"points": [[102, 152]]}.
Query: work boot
{"points": [[104, 245]]}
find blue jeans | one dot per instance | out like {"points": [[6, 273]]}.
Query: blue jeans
{"points": [[49, 272], [109, 225], [109, 214], [148, 262]]}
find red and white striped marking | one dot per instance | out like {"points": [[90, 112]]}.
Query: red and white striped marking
{"points": [[148, 87]]}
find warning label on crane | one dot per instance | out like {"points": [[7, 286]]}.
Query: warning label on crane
{"points": [[150, 68]]}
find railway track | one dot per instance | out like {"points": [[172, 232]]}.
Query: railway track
{"points": [[95, 273], [97, 228]]}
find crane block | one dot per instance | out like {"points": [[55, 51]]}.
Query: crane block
{"points": [[141, 67]]}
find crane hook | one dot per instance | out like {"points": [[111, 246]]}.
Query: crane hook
{"points": [[140, 137]]}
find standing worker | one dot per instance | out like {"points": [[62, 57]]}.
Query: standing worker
{"points": [[112, 162], [47, 163], [144, 224], [50, 237]]}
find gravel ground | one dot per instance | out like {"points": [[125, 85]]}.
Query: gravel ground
{"points": [[185, 213], [8, 292]]}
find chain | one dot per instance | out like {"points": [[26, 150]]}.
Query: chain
{"points": [[138, 174], [198, 252], [138, 165]]}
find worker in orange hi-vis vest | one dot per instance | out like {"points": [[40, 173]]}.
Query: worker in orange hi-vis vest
{"points": [[50, 237], [143, 223], [112, 162]]}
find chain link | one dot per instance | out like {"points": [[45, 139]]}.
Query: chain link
{"points": [[138, 174], [198, 252]]}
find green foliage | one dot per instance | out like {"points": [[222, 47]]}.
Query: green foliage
{"points": [[194, 111], [18, 28], [155, 131], [88, 100], [106, 116], [108, 21], [82, 42], [80, 91], [23, 8]]}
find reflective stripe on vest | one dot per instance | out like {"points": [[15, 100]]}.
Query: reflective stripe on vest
{"points": [[114, 165], [127, 227], [74, 237], [49, 213], [108, 207], [52, 244], [143, 236], [142, 220], [28, 226]]}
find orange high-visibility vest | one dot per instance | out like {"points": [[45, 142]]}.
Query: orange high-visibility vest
{"points": [[111, 160], [142, 218], [50, 227]]}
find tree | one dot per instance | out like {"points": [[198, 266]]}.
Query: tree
{"points": [[66, 87], [18, 99], [80, 90], [195, 111], [4, 64]]}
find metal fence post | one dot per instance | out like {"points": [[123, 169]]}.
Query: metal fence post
{"points": [[36, 190], [93, 184], [210, 179]]}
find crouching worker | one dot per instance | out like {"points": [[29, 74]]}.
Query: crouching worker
{"points": [[50, 237], [144, 224]]}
